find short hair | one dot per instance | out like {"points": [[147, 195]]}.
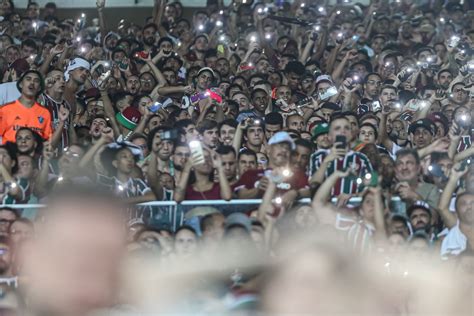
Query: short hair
{"points": [[254, 91], [305, 143], [186, 227], [225, 150], [229, 122], [371, 74], [295, 67], [247, 152], [335, 117], [182, 124], [165, 39], [274, 118], [290, 116], [389, 86], [30, 43], [153, 25], [137, 136], [12, 210], [206, 125], [371, 126], [408, 152]]}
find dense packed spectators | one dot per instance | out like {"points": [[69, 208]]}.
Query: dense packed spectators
{"points": [[351, 124]]}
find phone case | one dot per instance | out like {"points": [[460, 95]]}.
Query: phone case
{"points": [[197, 154]]}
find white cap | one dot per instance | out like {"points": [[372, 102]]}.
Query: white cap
{"points": [[323, 78], [282, 137]]}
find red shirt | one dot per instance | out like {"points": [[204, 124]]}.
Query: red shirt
{"points": [[298, 180], [213, 194]]}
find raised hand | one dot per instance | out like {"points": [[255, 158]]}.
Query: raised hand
{"points": [[63, 113], [48, 152], [100, 4], [107, 135]]}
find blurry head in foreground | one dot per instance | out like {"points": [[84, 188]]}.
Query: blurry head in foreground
{"points": [[73, 265]]}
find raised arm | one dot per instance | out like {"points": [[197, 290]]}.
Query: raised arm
{"points": [[334, 153], [106, 137], [109, 111], [41, 182], [152, 176], [58, 132], [449, 218], [102, 26], [180, 190], [226, 192]]}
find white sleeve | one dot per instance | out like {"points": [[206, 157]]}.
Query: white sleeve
{"points": [[8, 92], [454, 243]]}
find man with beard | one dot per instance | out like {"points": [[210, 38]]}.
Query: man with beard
{"points": [[53, 100], [149, 36], [227, 130], [76, 74], [6, 276], [444, 78], [293, 185], [409, 187], [419, 214], [133, 84], [460, 236], [25, 112], [223, 67]]}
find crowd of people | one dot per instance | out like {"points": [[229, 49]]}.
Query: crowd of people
{"points": [[364, 110]]}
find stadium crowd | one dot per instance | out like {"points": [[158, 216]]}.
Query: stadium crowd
{"points": [[353, 123]]}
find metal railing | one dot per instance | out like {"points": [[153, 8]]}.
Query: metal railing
{"points": [[171, 215]]}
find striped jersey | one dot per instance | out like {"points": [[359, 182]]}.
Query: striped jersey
{"points": [[25, 188], [359, 233], [53, 108], [465, 143], [355, 160]]}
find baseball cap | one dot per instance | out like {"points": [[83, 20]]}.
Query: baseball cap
{"points": [[418, 205], [282, 137], [441, 118], [324, 78], [203, 69], [424, 123], [129, 118], [238, 219], [320, 129]]}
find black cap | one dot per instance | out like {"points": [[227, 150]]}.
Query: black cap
{"points": [[424, 123]]}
